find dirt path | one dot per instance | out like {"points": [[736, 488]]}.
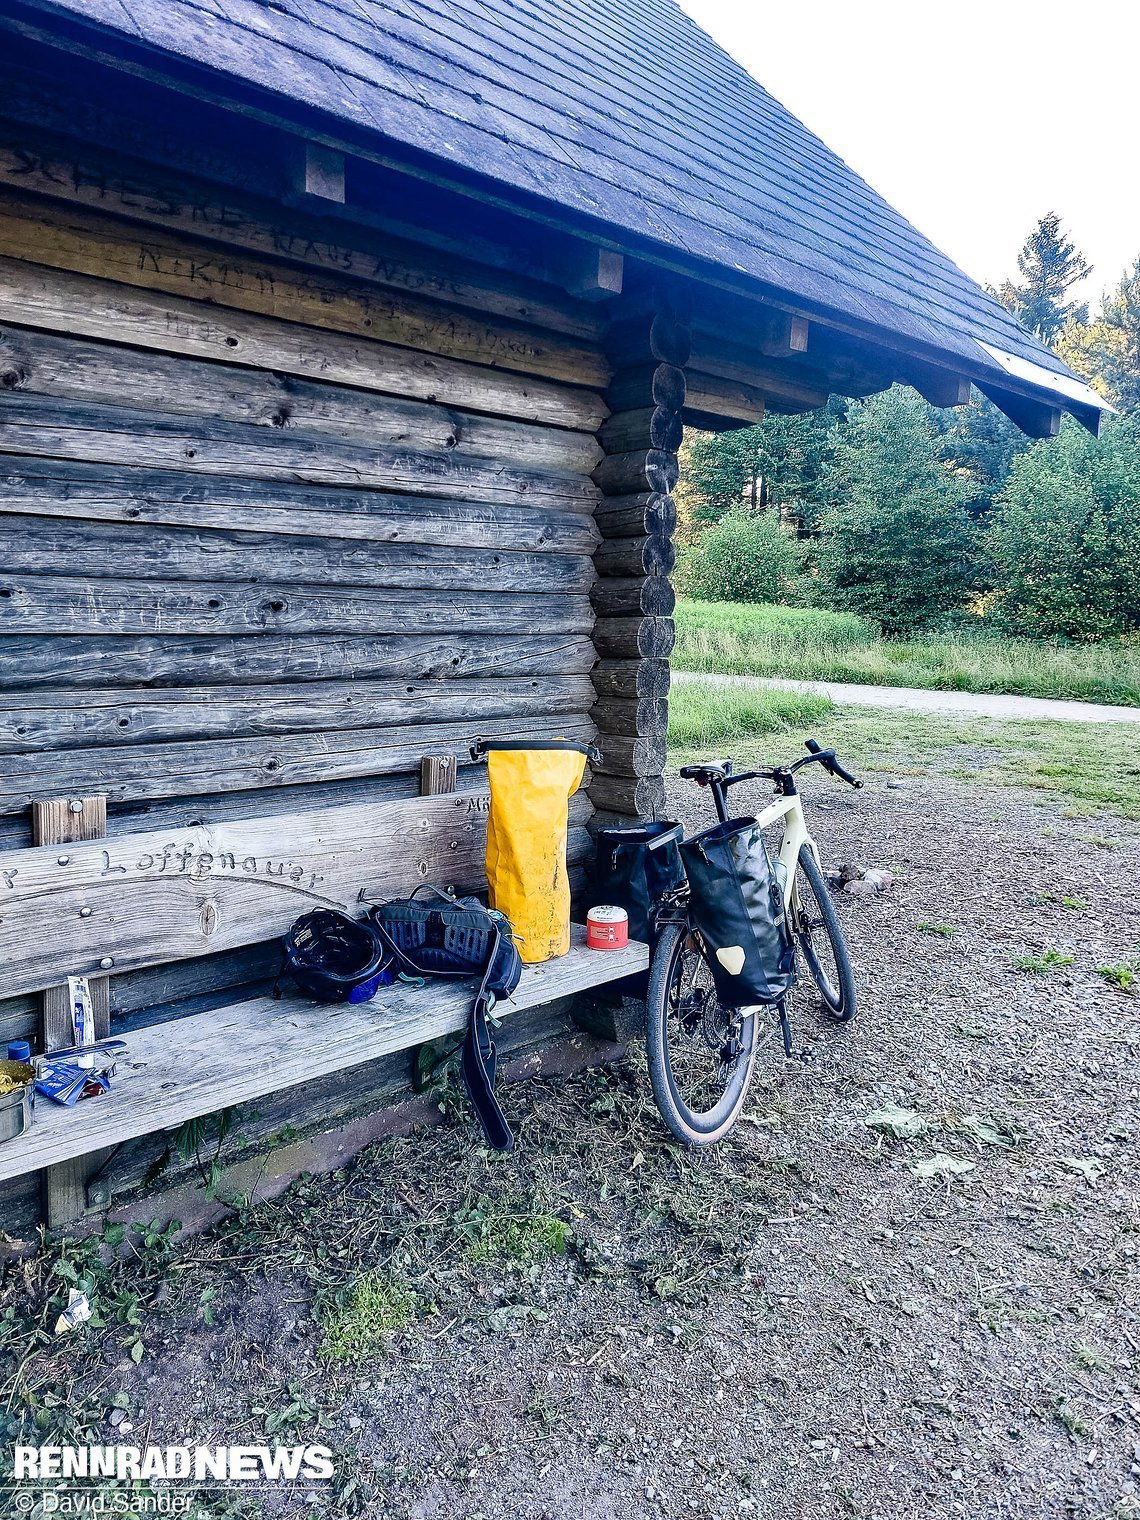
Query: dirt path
{"points": [[915, 699], [602, 1327]]}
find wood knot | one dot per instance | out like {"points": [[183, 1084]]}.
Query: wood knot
{"points": [[208, 918]]}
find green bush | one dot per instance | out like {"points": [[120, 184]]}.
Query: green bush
{"points": [[1065, 538], [744, 557]]}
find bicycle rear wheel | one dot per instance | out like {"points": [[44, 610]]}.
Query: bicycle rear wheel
{"points": [[700, 1054], [820, 938]]}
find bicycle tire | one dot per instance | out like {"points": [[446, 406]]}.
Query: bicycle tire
{"points": [[690, 1126], [838, 995]]}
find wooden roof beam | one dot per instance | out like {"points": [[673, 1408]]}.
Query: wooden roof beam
{"points": [[321, 172], [941, 387], [1037, 419]]}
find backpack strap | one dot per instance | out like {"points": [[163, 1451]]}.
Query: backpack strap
{"points": [[479, 1059]]}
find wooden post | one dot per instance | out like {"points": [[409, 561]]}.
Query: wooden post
{"points": [[64, 821], [438, 775], [632, 597]]}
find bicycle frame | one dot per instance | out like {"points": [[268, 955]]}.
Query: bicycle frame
{"points": [[789, 811]]}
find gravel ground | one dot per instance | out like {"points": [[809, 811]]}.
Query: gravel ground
{"points": [[795, 1325]]}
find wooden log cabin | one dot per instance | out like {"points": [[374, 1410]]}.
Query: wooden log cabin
{"points": [[345, 352]]}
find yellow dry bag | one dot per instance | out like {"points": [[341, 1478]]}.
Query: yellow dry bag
{"points": [[531, 783]]}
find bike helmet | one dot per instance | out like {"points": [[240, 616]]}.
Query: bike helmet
{"points": [[336, 959]]}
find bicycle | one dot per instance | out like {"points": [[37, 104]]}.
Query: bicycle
{"points": [[701, 1055]]}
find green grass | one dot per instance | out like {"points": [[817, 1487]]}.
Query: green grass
{"points": [[1088, 769], [361, 1319], [1040, 965], [735, 638], [1124, 975], [512, 1229], [716, 715]]}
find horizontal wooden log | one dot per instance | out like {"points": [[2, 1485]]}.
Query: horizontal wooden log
{"points": [[647, 717], [651, 427], [631, 638], [644, 339], [119, 436], [628, 474], [631, 678], [85, 242], [623, 596], [633, 516], [637, 797], [75, 718], [138, 771], [736, 388], [86, 306], [43, 546], [626, 755], [45, 364], [651, 555], [94, 661], [714, 405], [110, 493], [82, 605], [132, 187], [217, 807], [647, 385]]}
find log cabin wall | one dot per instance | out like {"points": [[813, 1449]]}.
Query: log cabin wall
{"points": [[289, 501]]}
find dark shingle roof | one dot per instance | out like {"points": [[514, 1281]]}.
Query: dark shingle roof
{"points": [[622, 111]]}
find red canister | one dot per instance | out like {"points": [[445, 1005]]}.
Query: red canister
{"points": [[607, 928]]}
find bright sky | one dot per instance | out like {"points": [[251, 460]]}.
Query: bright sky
{"points": [[972, 119]]}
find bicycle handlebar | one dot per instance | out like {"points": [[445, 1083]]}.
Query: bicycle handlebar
{"points": [[826, 758], [721, 774]]}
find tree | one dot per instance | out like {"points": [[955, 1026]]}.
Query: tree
{"points": [[722, 470], [745, 557], [782, 461], [1050, 265], [1066, 535], [1107, 351], [897, 545], [981, 443]]}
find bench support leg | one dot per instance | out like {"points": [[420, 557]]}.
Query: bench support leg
{"points": [[62, 821]]}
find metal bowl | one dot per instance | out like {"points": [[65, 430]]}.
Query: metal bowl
{"points": [[17, 1107]]}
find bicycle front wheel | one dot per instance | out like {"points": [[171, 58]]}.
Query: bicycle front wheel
{"points": [[700, 1054], [820, 938]]}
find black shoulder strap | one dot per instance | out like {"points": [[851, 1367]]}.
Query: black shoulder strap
{"points": [[478, 1062]]}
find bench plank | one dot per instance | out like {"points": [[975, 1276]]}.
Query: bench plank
{"points": [[205, 1062]]}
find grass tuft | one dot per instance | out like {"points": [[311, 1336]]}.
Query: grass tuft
{"points": [[511, 1229], [1051, 960], [1123, 975], [361, 1319], [807, 643]]}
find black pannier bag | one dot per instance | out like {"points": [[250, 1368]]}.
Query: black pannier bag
{"points": [[634, 868], [738, 908]]}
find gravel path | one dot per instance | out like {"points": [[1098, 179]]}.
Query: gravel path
{"points": [[795, 1325], [976, 704]]}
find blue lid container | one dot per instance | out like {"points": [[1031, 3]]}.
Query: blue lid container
{"points": [[19, 1050]]}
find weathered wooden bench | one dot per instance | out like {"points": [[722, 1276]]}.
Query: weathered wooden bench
{"points": [[101, 906]]}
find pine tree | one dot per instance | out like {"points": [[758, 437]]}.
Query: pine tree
{"points": [[1050, 266], [1107, 351]]}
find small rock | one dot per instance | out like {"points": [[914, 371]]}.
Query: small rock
{"points": [[896, 785], [880, 880], [849, 871], [118, 1416], [861, 888]]}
